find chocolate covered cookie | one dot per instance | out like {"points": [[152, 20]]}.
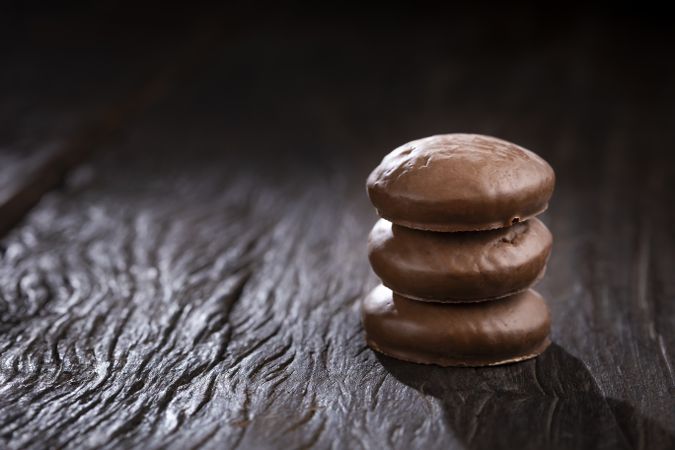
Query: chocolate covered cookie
{"points": [[459, 267], [460, 182], [510, 329]]}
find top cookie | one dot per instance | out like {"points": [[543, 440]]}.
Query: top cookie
{"points": [[460, 182]]}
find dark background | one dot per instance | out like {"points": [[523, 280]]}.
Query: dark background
{"points": [[184, 221]]}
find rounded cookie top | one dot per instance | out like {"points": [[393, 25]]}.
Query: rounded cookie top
{"points": [[468, 334], [459, 267], [460, 182]]}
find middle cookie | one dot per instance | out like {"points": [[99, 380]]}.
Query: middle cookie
{"points": [[459, 267]]}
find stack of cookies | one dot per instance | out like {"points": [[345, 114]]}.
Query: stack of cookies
{"points": [[457, 249]]}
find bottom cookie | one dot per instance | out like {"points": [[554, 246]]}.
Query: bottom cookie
{"points": [[502, 331]]}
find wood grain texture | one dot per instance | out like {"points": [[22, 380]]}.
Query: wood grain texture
{"points": [[197, 283]]}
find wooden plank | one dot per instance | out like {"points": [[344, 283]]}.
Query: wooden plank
{"points": [[202, 289], [72, 82]]}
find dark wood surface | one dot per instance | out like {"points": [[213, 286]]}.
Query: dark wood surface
{"points": [[195, 282]]}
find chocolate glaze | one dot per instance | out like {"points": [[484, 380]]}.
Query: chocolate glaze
{"points": [[460, 182], [459, 267], [468, 334]]}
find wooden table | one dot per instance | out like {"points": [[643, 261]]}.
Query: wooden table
{"points": [[184, 216]]}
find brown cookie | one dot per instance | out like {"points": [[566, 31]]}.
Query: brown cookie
{"points": [[460, 182], [466, 334], [459, 267]]}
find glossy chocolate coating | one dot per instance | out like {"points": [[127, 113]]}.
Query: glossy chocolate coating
{"points": [[459, 267], [467, 334], [460, 182]]}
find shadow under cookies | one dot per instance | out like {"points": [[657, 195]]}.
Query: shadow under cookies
{"points": [[551, 402]]}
